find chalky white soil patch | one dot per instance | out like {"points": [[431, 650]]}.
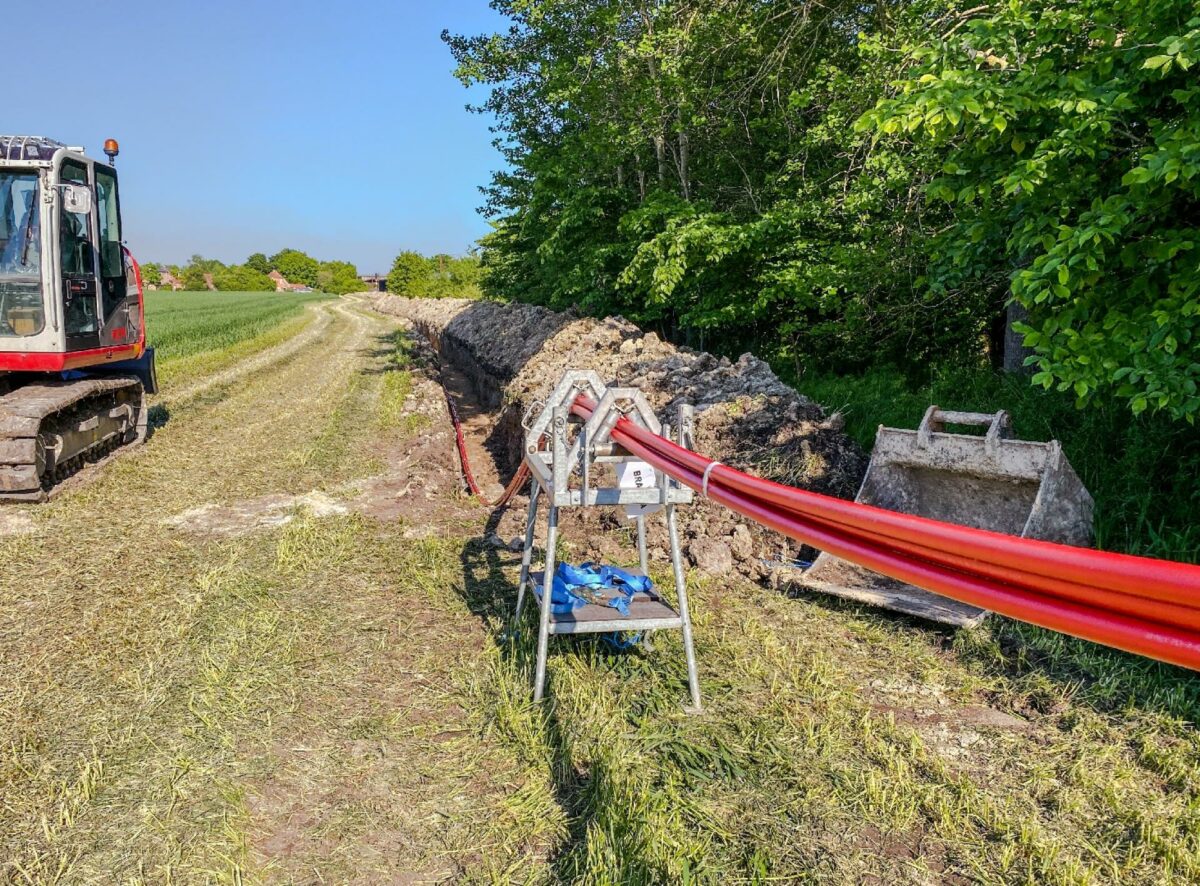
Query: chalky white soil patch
{"points": [[16, 523], [266, 511], [955, 732]]}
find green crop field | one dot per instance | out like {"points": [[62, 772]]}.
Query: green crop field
{"points": [[196, 332]]}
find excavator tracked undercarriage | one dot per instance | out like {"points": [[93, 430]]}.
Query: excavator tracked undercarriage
{"points": [[49, 430]]}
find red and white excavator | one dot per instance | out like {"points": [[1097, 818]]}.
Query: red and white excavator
{"points": [[74, 366]]}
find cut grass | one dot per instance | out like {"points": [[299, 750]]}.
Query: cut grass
{"points": [[1141, 472], [160, 722], [836, 746]]}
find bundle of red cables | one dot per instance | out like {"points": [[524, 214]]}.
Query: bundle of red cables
{"points": [[1138, 604]]}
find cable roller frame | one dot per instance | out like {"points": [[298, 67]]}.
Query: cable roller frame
{"points": [[573, 461], [1141, 605]]}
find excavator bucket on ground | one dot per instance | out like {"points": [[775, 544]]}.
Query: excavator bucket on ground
{"points": [[993, 481]]}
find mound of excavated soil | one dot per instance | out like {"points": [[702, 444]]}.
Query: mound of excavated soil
{"points": [[514, 354]]}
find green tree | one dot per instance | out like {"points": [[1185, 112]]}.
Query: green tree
{"points": [[192, 278], [296, 266], [151, 274], [1071, 141], [338, 278], [260, 263], [193, 274], [694, 166], [465, 274], [411, 275], [242, 278]]}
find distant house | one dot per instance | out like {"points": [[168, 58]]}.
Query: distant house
{"points": [[282, 285], [170, 281]]}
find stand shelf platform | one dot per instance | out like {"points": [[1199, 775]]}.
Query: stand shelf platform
{"points": [[647, 612]]}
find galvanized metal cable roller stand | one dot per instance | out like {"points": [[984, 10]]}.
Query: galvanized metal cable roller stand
{"points": [[582, 451]]}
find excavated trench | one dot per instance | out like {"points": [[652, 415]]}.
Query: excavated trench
{"points": [[489, 453], [500, 360]]}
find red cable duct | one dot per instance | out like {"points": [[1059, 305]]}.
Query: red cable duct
{"points": [[1150, 607], [460, 440], [1161, 580], [1157, 580]]}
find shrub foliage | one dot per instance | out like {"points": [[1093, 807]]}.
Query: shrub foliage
{"points": [[844, 183]]}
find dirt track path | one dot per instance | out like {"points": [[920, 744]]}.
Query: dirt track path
{"points": [[226, 696]]}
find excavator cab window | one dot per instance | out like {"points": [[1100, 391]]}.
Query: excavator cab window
{"points": [[21, 311], [80, 289], [112, 261]]}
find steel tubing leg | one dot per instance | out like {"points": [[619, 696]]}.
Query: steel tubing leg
{"points": [[539, 680], [527, 552], [643, 560], [684, 613]]}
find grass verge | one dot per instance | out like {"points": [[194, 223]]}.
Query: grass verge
{"points": [[1140, 470], [836, 746]]}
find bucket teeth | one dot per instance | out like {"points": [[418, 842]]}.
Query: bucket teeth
{"points": [[50, 430]]}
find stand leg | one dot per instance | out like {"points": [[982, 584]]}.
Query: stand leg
{"points": [[684, 614], [641, 542], [539, 679], [527, 552]]}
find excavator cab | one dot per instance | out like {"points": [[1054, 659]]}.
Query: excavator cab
{"points": [[69, 294], [74, 366]]}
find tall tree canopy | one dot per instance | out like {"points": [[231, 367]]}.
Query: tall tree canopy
{"points": [[694, 165], [338, 278], [259, 262], [439, 276], [843, 183], [296, 266]]}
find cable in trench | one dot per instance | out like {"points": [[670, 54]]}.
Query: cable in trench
{"points": [[519, 478]]}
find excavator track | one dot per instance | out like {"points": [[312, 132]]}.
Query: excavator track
{"points": [[50, 430]]}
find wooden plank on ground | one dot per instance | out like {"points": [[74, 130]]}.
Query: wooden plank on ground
{"points": [[832, 575]]}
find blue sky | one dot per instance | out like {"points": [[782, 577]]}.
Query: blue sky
{"points": [[249, 126]]}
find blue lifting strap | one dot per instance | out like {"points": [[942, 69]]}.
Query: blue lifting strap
{"points": [[562, 600], [622, 643], [585, 576], [593, 578], [626, 582]]}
